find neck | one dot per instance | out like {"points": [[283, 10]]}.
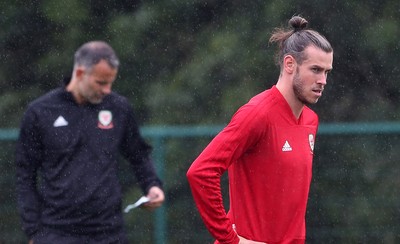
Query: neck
{"points": [[287, 92], [72, 87]]}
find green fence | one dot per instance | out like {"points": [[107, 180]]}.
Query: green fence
{"points": [[354, 196]]}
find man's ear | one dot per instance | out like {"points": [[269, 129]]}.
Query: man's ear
{"points": [[79, 72], [289, 64]]}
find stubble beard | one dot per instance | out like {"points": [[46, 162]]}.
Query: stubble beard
{"points": [[89, 96], [298, 89], [94, 99]]}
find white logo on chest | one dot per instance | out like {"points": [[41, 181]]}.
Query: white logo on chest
{"points": [[311, 141], [105, 120], [60, 121], [286, 147]]}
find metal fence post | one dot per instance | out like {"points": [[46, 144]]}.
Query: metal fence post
{"points": [[159, 217]]}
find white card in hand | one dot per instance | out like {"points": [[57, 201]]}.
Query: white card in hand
{"points": [[139, 202]]}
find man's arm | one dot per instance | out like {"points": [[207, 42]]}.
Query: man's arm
{"points": [[205, 173], [27, 159], [204, 177], [138, 152]]}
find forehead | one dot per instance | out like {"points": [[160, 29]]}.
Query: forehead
{"points": [[104, 71], [318, 57]]}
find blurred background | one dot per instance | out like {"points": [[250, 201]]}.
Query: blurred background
{"points": [[188, 64]]}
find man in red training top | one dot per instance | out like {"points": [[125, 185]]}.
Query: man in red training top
{"points": [[268, 148]]}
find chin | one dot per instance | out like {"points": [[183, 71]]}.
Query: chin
{"points": [[309, 101], [315, 101], [97, 101]]}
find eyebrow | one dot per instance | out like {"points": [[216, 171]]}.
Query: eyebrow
{"points": [[102, 82], [321, 67]]}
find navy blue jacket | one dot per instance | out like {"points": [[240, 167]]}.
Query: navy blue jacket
{"points": [[66, 159]]}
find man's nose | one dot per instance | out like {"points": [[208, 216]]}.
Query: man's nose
{"points": [[322, 79], [106, 89]]}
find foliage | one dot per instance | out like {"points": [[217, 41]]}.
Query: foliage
{"points": [[196, 62]]}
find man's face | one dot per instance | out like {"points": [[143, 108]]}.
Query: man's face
{"points": [[310, 77], [96, 83]]}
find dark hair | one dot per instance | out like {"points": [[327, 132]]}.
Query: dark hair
{"points": [[294, 41], [91, 53]]}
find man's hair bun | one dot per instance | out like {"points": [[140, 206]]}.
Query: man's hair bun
{"points": [[298, 23]]}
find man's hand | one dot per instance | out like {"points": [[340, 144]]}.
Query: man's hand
{"points": [[156, 196], [245, 241]]}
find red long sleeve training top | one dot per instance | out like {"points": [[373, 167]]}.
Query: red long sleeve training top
{"points": [[268, 154]]}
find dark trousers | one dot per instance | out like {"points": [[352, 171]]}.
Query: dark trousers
{"points": [[49, 236]]}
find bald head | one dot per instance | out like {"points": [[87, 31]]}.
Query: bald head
{"points": [[91, 53]]}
